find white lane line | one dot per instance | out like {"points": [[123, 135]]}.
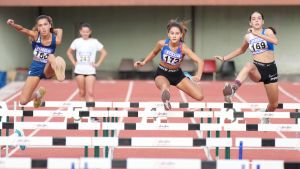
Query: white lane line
{"points": [[13, 97], [199, 134], [282, 90], [127, 99], [47, 120]]}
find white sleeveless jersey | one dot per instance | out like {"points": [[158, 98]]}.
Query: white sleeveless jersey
{"points": [[258, 45]]}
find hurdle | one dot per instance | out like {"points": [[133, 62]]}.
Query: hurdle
{"points": [[129, 163], [151, 126], [277, 142], [116, 142], [165, 142], [140, 163], [125, 113], [192, 105]]}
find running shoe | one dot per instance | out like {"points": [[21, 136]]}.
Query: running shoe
{"points": [[38, 100], [60, 67], [165, 97]]}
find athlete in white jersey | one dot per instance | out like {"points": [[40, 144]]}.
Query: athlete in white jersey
{"points": [[85, 64], [261, 42]]}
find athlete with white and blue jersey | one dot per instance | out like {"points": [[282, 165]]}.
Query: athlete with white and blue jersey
{"points": [[261, 43], [44, 39], [173, 50]]}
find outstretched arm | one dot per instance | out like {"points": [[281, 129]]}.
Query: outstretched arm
{"points": [[195, 58], [151, 55], [31, 34], [236, 52]]}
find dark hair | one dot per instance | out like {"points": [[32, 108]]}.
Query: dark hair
{"points": [[85, 25], [262, 16], [49, 19], [181, 25]]}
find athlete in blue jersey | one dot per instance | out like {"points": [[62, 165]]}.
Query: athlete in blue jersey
{"points": [[44, 39], [261, 43], [173, 49]]}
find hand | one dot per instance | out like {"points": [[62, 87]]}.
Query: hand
{"points": [[250, 30], [254, 32], [196, 78], [95, 65], [221, 58], [138, 64], [10, 22], [57, 30]]}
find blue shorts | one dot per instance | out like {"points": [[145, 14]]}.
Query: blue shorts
{"points": [[37, 69]]}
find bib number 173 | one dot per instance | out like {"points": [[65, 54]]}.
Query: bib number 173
{"points": [[171, 60]]}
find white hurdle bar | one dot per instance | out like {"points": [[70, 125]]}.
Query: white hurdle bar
{"points": [[117, 142], [151, 126], [126, 113], [141, 163], [277, 142], [174, 142], [130, 163], [103, 113], [194, 105]]}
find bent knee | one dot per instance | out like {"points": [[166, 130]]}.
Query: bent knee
{"points": [[23, 101], [248, 66], [199, 97]]}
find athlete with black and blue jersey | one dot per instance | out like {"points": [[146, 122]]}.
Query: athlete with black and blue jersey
{"points": [[173, 49], [44, 39], [261, 43]]}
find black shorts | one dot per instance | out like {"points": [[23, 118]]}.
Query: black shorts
{"points": [[173, 75], [85, 75], [268, 72]]}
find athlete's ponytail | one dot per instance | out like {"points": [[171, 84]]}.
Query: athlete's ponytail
{"points": [[273, 29]]}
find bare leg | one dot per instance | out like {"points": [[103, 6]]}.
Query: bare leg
{"points": [[28, 94], [190, 88], [89, 86], [272, 93], [81, 86], [249, 70]]}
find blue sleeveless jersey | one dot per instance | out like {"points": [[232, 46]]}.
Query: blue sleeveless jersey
{"points": [[41, 52], [40, 56], [170, 57]]}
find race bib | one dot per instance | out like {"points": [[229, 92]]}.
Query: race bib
{"points": [[171, 60], [171, 57], [258, 46], [41, 54], [84, 57]]}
